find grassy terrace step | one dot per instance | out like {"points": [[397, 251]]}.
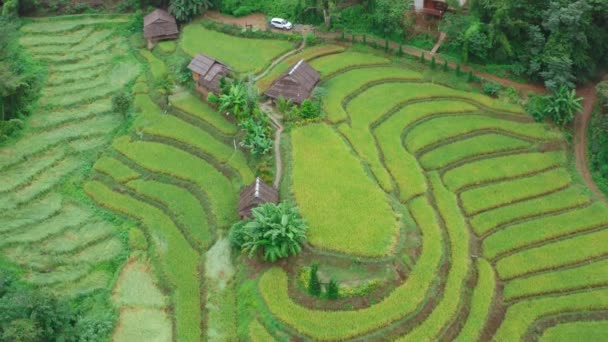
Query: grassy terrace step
{"points": [[108, 48], [87, 143], [180, 262], [136, 287], [561, 200], [402, 165], [545, 228], [115, 169], [93, 281], [341, 325], [498, 168], [84, 45], [588, 275], [58, 78], [576, 331], [578, 249], [241, 54], [91, 63], [442, 128], [258, 333], [105, 250], [63, 115], [522, 315], [157, 66], [176, 163], [116, 78], [182, 204], [506, 192], [153, 121], [44, 182], [71, 88], [69, 23], [474, 146], [70, 216], [354, 205], [62, 41], [61, 274], [340, 87], [21, 174], [143, 324], [383, 97], [76, 238], [447, 307], [306, 54], [193, 105], [481, 304], [30, 213], [329, 65]]}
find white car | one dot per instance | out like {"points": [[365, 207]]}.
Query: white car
{"points": [[281, 23]]}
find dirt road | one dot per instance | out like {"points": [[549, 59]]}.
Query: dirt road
{"points": [[580, 138]]}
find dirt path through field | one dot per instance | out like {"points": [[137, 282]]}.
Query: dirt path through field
{"points": [[580, 138]]}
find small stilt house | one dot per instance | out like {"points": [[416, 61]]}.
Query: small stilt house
{"points": [[296, 84], [254, 195], [207, 73], [159, 25]]}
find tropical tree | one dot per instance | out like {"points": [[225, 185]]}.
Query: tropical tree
{"points": [[561, 106], [256, 138], [234, 101], [185, 10], [276, 229]]}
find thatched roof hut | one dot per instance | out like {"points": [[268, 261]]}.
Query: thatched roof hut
{"points": [[254, 195], [160, 25], [207, 72], [296, 84]]}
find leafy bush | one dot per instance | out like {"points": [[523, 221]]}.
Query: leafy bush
{"points": [[310, 109], [277, 229], [185, 10], [256, 138], [121, 103], [333, 290], [314, 285], [491, 88], [561, 106]]}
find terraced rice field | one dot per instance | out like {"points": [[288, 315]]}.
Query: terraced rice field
{"points": [[241, 54], [511, 246], [77, 197], [61, 242], [462, 202]]}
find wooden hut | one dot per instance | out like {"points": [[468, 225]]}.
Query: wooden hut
{"points": [[159, 25], [254, 195], [207, 73], [296, 84]]}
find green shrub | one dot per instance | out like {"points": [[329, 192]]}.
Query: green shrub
{"points": [[310, 39], [277, 229], [433, 63], [121, 103], [446, 67], [333, 290], [422, 59], [314, 286], [470, 76], [491, 88], [310, 110], [458, 71]]}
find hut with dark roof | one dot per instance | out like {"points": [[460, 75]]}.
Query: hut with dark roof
{"points": [[159, 25], [296, 84], [207, 73], [254, 195]]}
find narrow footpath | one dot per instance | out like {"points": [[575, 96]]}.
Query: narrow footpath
{"points": [[581, 124]]}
